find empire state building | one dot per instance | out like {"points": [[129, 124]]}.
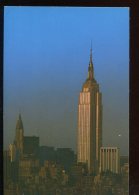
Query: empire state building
{"points": [[89, 136]]}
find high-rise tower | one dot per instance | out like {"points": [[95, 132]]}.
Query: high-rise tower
{"points": [[19, 135], [90, 122]]}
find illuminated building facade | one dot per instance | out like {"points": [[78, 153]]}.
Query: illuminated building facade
{"points": [[12, 152], [90, 122], [110, 159]]}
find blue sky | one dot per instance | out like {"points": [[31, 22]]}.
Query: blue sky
{"points": [[46, 56]]}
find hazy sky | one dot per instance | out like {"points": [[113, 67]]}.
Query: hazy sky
{"points": [[46, 56]]}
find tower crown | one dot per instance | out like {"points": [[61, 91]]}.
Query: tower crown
{"points": [[19, 124], [90, 81]]}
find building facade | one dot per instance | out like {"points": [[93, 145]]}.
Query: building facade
{"points": [[110, 159], [12, 152], [90, 122]]}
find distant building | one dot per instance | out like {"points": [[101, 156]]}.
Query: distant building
{"points": [[123, 160], [10, 168], [77, 171], [19, 135], [65, 157], [125, 168], [88, 181], [90, 122], [50, 170], [30, 145], [110, 159], [6, 166], [46, 153], [23, 146], [12, 189], [28, 169]]}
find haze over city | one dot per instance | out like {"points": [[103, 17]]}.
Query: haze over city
{"points": [[46, 56]]}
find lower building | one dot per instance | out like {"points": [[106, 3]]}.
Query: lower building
{"points": [[124, 160], [65, 157], [110, 159], [46, 153], [28, 169], [6, 167]]}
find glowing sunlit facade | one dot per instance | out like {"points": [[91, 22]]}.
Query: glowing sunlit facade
{"points": [[110, 159], [90, 122]]}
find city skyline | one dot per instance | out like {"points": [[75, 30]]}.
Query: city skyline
{"points": [[44, 86]]}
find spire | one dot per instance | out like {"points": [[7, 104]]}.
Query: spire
{"points": [[91, 55], [91, 68], [19, 124]]}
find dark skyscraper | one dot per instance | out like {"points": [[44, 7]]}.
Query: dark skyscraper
{"points": [[90, 122], [19, 135]]}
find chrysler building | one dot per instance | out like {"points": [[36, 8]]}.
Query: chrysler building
{"points": [[89, 136], [19, 136]]}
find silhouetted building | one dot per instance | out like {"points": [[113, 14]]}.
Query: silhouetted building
{"points": [[14, 171], [30, 145], [19, 136], [46, 153], [65, 157], [110, 159], [90, 122]]}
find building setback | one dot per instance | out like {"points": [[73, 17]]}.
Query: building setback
{"points": [[110, 159], [89, 138]]}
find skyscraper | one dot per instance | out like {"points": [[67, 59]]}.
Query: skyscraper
{"points": [[19, 136], [90, 122]]}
